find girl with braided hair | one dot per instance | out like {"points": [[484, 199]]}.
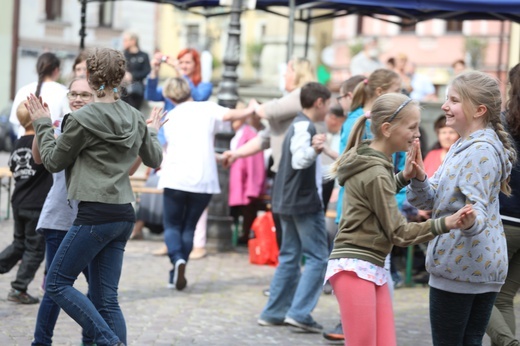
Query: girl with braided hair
{"points": [[98, 147], [54, 93], [467, 266]]}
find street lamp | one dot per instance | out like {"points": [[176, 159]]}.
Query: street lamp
{"points": [[220, 223]]}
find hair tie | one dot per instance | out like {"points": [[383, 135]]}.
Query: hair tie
{"points": [[115, 90], [102, 87], [365, 81], [367, 114]]}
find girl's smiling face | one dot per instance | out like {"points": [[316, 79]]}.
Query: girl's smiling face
{"points": [[406, 131], [79, 94], [454, 111]]}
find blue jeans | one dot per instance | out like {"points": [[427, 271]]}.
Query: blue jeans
{"points": [[101, 248], [49, 311], [292, 293], [181, 213], [459, 319]]}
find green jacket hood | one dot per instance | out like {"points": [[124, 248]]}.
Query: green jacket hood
{"points": [[360, 160], [110, 122]]}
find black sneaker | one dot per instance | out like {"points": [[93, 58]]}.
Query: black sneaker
{"points": [[313, 327], [21, 297], [178, 276], [335, 334]]}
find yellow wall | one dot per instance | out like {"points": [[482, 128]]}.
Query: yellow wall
{"points": [[514, 45], [6, 32]]}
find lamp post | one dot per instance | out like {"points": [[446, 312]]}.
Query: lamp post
{"points": [[219, 229]]}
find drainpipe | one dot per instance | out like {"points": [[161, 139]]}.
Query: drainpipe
{"points": [[14, 48]]}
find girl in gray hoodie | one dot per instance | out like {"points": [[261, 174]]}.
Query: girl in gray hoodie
{"points": [[467, 266]]}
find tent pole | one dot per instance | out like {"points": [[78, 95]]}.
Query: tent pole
{"points": [[82, 33], [307, 33], [290, 35]]}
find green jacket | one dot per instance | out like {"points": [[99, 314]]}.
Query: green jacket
{"points": [[98, 146], [371, 222]]}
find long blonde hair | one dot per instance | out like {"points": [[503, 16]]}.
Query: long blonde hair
{"points": [[477, 88], [303, 71], [388, 108]]}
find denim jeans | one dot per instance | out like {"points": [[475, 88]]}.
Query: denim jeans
{"points": [[294, 293], [181, 212], [502, 325], [27, 245], [49, 311], [459, 319], [101, 248]]}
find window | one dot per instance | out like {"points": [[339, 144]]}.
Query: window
{"points": [[106, 14], [453, 26], [407, 26], [192, 35], [53, 9]]}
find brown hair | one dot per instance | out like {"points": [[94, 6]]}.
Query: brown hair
{"points": [[439, 123], [82, 56], [383, 111], [311, 92], [365, 90], [350, 84], [46, 64], [477, 88], [177, 89], [513, 102], [106, 68]]}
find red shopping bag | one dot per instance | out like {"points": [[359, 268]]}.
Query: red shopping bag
{"points": [[263, 248]]}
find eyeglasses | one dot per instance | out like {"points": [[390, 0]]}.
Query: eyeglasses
{"points": [[392, 117], [338, 98], [83, 96]]}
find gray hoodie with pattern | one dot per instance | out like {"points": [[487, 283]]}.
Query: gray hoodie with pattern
{"points": [[474, 260]]}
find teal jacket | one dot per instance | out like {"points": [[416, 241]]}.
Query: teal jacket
{"points": [[97, 148]]}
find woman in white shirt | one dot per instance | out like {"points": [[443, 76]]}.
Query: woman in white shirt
{"points": [[52, 93], [189, 170]]}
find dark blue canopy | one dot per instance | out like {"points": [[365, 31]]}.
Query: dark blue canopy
{"points": [[416, 10]]}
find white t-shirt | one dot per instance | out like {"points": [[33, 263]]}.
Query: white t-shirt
{"points": [[189, 163], [54, 94]]}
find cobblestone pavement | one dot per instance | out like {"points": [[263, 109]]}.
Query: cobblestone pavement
{"points": [[219, 307]]}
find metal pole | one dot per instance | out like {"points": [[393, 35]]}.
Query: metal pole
{"points": [[82, 30], [220, 224], [290, 35], [307, 33]]}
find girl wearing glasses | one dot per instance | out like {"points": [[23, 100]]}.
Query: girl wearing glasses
{"points": [[371, 222], [467, 266], [55, 220]]}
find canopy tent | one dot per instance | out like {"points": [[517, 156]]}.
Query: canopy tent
{"points": [[302, 10], [417, 10]]}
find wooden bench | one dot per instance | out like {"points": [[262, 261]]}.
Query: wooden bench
{"points": [[6, 178]]}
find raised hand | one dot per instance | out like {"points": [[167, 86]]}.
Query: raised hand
{"points": [[155, 120], [414, 166], [37, 108]]}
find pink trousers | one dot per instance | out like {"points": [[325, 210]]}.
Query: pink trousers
{"points": [[366, 310]]}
